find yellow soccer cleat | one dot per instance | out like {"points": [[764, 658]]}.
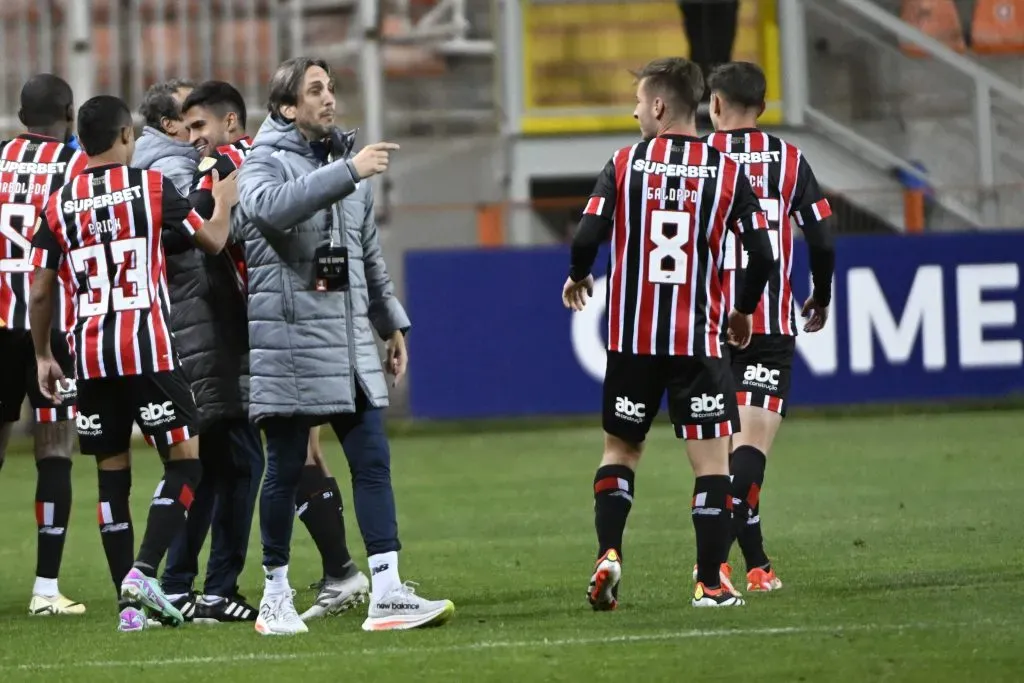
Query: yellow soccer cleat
{"points": [[53, 605]]}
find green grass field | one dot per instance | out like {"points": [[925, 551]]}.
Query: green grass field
{"points": [[898, 539]]}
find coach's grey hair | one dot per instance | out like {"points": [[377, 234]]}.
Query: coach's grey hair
{"points": [[159, 103], [287, 81]]}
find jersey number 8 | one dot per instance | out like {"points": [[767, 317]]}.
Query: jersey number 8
{"points": [[127, 290], [668, 261]]}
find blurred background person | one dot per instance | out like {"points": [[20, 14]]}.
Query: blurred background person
{"points": [[710, 27]]}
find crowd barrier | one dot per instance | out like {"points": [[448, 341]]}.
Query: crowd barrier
{"points": [[913, 318]]}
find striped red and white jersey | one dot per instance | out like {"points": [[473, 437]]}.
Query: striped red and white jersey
{"points": [[225, 160], [102, 232], [32, 167], [786, 187], [671, 201]]}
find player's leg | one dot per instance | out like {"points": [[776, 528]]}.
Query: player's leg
{"points": [[762, 375], [631, 396], [287, 443], [318, 505], [166, 413], [13, 386], [104, 431], [394, 605], [182, 565], [702, 405], [236, 491]]}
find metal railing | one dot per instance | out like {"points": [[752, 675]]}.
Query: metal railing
{"points": [[946, 112]]}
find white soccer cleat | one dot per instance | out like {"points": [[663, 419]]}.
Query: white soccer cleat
{"points": [[278, 617], [603, 591], [401, 609], [725, 577], [53, 605], [335, 597]]}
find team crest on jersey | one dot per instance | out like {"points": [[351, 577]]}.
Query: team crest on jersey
{"points": [[206, 164]]}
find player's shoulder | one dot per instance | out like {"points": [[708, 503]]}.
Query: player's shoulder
{"points": [[780, 143]]}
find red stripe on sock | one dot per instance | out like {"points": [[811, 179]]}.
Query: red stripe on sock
{"points": [[606, 484], [39, 513], [753, 496], [186, 496]]}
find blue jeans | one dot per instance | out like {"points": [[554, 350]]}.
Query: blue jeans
{"points": [[366, 448], [225, 500]]}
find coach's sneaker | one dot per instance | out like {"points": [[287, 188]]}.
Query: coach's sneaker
{"points": [[761, 581], [401, 609], [714, 597], [137, 589], [49, 605], [725, 577], [212, 609], [603, 592], [132, 619], [277, 615], [184, 602], [338, 595]]}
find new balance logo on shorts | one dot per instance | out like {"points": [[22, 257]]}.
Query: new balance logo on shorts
{"points": [[761, 377], [705, 406], [626, 409], [88, 425], [157, 413]]}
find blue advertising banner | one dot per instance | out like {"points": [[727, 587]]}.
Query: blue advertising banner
{"points": [[912, 318]]}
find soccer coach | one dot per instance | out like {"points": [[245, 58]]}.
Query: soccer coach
{"points": [[318, 288]]}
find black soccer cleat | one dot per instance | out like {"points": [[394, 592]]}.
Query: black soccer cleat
{"points": [[186, 604], [224, 610]]}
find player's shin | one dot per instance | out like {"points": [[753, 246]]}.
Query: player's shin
{"points": [[53, 510], [115, 521], [167, 511], [747, 468], [711, 507], [319, 508], [613, 499]]}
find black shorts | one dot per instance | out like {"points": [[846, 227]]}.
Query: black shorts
{"points": [[161, 403], [701, 396], [18, 378], [763, 371]]}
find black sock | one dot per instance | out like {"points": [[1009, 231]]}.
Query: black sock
{"points": [[53, 509], [613, 498], [167, 512], [115, 519], [319, 508], [747, 465], [712, 519]]}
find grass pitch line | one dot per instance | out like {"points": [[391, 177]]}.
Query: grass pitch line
{"points": [[691, 634]]}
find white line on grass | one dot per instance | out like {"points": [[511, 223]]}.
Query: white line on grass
{"points": [[243, 657]]}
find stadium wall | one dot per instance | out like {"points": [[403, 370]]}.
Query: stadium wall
{"points": [[931, 317]]}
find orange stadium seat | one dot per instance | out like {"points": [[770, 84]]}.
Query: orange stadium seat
{"points": [[998, 27], [935, 18]]}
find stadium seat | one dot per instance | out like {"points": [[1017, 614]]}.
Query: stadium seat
{"points": [[935, 18], [998, 27]]}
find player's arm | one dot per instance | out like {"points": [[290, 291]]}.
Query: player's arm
{"points": [[201, 195], [595, 225], [46, 256], [181, 221], [751, 223], [812, 212]]}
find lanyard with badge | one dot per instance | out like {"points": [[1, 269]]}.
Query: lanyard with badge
{"points": [[332, 261]]}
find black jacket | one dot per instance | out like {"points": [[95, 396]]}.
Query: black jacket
{"points": [[208, 310]]}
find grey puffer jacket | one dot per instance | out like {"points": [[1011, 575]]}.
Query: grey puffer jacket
{"points": [[207, 308], [309, 349], [175, 159]]}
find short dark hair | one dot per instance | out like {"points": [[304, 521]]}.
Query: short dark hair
{"points": [[45, 100], [219, 96], [158, 103], [287, 82], [677, 79], [100, 120], [740, 83]]}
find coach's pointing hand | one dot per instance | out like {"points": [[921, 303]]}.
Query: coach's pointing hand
{"points": [[373, 159]]}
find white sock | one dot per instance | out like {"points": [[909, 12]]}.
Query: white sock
{"points": [[47, 587], [383, 574], [175, 596], [277, 580]]}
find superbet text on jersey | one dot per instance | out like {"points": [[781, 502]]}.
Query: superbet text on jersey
{"points": [[32, 167], [786, 187], [102, 232], [672, 202]]}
